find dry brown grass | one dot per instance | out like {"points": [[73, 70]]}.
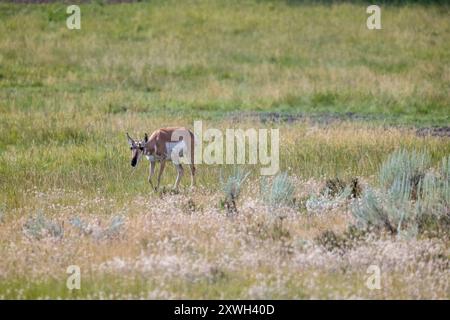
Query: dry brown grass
{"points": [[167, 249]]}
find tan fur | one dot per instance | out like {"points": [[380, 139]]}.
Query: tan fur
{"points": [[156, 147]]}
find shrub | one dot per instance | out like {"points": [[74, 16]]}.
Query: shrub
{"points": [[335, 194], [39, 226], [114, 228], [190, 206], [269, 228], [330, 241], [280, 192], [328, 200], [340, 243], [378, 211], [82, 226], [111, 231], [409, 166], [355, 188], [333, 187], [412, 198]]}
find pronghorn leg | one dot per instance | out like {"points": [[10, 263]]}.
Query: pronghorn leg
{"points": [[180, 172], [192, 175], [151, 173], [162, 164]]}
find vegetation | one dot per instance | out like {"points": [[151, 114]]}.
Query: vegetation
{"points": [[280, 192], [232, 188], [351, 104], [413, 198]]}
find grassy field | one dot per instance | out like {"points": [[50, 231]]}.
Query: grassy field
{"points": [[344, 98]]}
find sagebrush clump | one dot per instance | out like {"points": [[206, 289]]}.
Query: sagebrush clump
{"points": [[413, 198], [232, 188], [278, 193], [38, 227]]}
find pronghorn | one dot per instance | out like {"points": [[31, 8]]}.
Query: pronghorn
{"points": [[165, 144]]}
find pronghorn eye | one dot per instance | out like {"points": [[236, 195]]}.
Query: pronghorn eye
{"points": [[131, 148]]}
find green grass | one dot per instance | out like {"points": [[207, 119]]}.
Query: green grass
{"points": [[228, 286], [214, 57]]}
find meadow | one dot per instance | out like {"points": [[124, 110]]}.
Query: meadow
{"points": [[345, 98]]}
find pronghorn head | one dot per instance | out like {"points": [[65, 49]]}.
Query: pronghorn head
{"points": [[137, 148]]}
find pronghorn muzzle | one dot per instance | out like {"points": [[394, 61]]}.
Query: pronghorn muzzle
{"points": [[134, 147]]}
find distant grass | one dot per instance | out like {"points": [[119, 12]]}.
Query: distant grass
{"points": [[214, 57]]}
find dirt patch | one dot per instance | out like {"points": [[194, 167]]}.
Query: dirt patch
{"points": [[328, 118], [280, 117], [434, 131]]}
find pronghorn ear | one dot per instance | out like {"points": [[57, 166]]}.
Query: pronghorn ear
{"points": [[146, 137], [130, 140]]}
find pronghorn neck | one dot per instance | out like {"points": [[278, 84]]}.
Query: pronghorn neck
{"points": [[151, 150]]}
